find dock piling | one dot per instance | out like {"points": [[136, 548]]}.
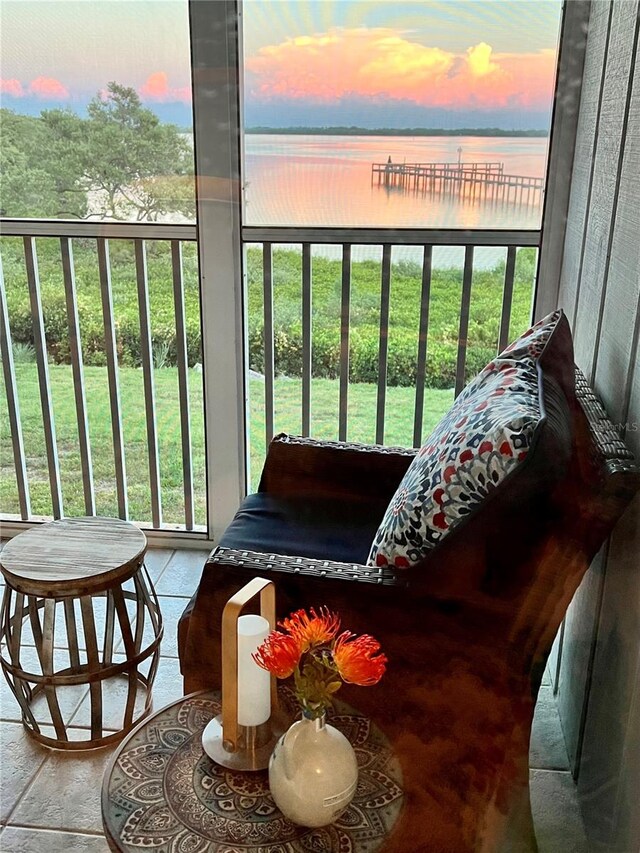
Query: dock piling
{"points": [[482, 182]]}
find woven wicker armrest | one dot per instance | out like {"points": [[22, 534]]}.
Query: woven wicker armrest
{"points": [[605, 436], [614, 470], [254, 562], [334, 581], [297, 466]]}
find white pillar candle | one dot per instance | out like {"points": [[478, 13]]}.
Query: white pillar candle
{"points": [[254, 683]]}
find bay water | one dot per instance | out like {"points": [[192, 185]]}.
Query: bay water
{"points": [[326, 181]]}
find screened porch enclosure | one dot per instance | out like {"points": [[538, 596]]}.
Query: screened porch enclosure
{"points": [[147, 365], [108, 436]]}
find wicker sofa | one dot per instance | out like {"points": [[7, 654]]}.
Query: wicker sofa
{"points": [[467, 645]]}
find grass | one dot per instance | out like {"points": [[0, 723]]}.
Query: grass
{"points": [[406, 288], [362, 404]]}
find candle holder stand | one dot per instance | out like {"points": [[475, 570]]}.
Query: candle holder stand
{"points": [[224, 740]]}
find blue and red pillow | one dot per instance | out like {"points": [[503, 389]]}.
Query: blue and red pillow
{"points": [[484, 440]]}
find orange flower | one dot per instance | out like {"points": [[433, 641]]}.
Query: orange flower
{"points": [[357, 661], [279, 654], [313, 630]]}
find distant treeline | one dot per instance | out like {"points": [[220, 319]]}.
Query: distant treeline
{"points": [[394, 131]]}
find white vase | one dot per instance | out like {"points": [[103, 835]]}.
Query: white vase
{"points": [[313, 773]]}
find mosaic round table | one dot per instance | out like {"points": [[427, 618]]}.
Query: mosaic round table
{"points": [[161, 792]]}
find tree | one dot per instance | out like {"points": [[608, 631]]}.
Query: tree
{"points": [[41, 174], [120, 162], [64, 158], [137, 166]]}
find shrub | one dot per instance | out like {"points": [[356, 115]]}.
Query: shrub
{"points": [[161, 354], [23, 353], [365, 309], [364, 356]]}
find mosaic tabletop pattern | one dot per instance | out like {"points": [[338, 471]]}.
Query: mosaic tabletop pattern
{"points": [[162, 793]]}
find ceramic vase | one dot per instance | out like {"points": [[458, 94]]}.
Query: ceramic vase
{"points": [[313, 773]]}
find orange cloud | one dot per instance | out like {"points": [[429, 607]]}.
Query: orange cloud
{"points": [[383, 63], [48, 87], [156, 88], [11, 87]]}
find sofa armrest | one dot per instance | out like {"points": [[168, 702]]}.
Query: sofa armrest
{"points": [[300, 467], [370, 599], [254, 562]]}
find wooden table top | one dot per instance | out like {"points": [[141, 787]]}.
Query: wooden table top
{"points": [[162, 792], [72, 556]]}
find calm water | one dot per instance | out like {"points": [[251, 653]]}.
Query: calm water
{"points": [[326, 181]]}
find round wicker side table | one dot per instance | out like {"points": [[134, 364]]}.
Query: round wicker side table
{"points": [[79, 609]]}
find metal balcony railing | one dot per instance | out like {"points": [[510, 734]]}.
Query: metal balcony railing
{"points": [[346, 239], [102, 235]]}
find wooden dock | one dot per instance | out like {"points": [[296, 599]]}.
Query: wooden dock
{"points": [[486, 182]]}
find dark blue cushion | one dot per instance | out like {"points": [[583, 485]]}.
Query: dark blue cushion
{"points": [[321, 529]]}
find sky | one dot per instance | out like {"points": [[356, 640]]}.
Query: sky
{"points": [[452, 63]]}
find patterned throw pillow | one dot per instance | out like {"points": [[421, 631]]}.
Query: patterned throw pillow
{"points": [[481, 441]]}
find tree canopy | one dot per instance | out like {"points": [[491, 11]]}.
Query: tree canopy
{"points": [[120, 162]]}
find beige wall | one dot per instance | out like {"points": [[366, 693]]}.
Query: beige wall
{"points": [[597, 668]]}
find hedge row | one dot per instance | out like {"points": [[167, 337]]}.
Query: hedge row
{"points": [[364, 354], [363, 349], [364, 334], [92, 332]]}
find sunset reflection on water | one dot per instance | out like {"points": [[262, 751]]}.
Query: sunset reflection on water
{"points": [[325, 181]]}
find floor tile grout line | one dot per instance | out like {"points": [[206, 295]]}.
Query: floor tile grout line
{"points": [[548, 770], [165, 567], [84, 727], [26, 790], [77, 707], [176, 595], [93, 833]]}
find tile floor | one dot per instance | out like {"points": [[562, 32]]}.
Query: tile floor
{"points": [[35, 818]]}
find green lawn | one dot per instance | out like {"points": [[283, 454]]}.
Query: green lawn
{"points": [[362, 407]]}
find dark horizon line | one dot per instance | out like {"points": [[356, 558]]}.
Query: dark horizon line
{"points": [[339, 130]]}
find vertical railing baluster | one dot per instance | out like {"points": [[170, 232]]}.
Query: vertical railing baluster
{"points": [[15, 424], [464, 318], [40, 346], [421, 367], [306, 338], [269, 358], [146, 353], [344, 341], [507, 298], [112, 375], [183, 381], [383, 349], [77, 370]]}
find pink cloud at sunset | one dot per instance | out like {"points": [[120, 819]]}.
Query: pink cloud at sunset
{"points": [[49, 88], [383, 63], [157, 88], [11, 87]]}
